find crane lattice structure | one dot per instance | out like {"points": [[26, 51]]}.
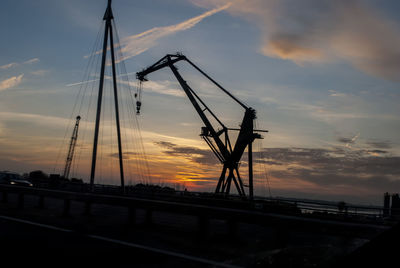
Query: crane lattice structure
{"points": [[71, 149], [221, 147]]}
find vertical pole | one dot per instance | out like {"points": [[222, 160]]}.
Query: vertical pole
{"points": [[240, 181], [250, 149], [121, 166], [100, 96]]}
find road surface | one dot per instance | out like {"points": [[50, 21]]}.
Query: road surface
{"points": [[26, 243]]}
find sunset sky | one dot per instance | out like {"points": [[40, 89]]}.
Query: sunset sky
{"points": [[324, 77]]}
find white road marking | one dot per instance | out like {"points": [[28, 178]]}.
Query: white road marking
{"points": [[36, 224], [125, 243], [165, 252]]}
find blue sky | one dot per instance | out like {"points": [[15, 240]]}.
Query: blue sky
{"points": [[322, 75]]}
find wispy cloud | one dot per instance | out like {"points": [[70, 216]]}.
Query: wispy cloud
{"points": [[34, 118], [81, 83], [40, 72], [352, 141], [358, 171], [334, 112], [11, 82], [334, 93], [136, 44], [8, 66], [34, 60], [323, 30], [194, 154], [161, 87], [98, 79], [15, 64], [380, 144]]}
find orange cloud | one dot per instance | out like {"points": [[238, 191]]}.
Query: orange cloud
{"points": [[284, 47], [316, 30], [11, 82]]}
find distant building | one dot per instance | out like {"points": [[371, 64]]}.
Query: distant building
{"points": [[38, 177], [395, 210], [53, 177], [386, 205]]}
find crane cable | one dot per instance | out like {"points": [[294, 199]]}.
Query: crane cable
{"points": [[263, 165], [78, 99], [84, 131], [95, 58], [87, 95], [138, 96], [136, 135]]}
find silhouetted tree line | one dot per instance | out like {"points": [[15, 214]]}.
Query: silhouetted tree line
{"points": [[40, 179], [43, 180]]}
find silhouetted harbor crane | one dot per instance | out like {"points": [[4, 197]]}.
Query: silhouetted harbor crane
{"points": [[228, 156]]}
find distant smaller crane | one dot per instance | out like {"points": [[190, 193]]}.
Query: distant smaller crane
{"points": [[71, 149]]}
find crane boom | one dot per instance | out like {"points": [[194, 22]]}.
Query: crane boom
{"points": [[229, 157], [71, 149]]}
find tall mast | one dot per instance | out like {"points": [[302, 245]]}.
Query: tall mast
{"points": [[108, 17]]}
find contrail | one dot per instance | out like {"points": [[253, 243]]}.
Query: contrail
{"points": [[95, 80], [136, 44]]}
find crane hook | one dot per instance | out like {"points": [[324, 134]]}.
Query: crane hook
{"points": [[138, 97], [138, 105]]}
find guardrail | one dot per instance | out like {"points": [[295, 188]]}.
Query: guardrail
{"points": [[331, 207], [373, 213], [203, 212]]}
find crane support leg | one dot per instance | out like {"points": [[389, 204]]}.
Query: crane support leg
{"points": [[241, 193], [240, 181], [221, 180], [229, 181]]}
